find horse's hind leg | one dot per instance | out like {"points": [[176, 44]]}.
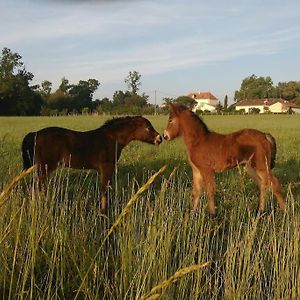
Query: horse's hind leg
{"points": [[106, 173], [42, 171], [276, 190], [261, 180]]}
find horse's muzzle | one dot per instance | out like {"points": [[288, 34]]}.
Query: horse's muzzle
{"points": [[158, 140], [166, 136]]}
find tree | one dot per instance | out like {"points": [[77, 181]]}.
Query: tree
{"points": [[119, 97], [102, 106], [254, 87], [82, 93], [64, 85], [17, 97], [219, 107], [10, 63], [185, 100], [290, 90], [225, 102], [45, 89], [133, 81]]}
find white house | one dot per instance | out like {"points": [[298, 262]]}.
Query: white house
{"points": [[274, 105], [205, 101]]}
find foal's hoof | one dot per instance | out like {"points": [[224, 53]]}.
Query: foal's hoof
{"points": [[213, 216]]}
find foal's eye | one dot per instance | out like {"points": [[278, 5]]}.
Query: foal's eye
{"points": [[148, 128]]}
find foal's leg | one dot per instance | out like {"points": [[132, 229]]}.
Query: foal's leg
{"points": [[197, 187], [263, 176], [210, 188], [261, 181], [43, 172], [276, 190], [106, 173]]}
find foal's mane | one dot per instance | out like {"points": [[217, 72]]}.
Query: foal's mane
{"points": [[181, 108], [112, 123], [200, 121]]}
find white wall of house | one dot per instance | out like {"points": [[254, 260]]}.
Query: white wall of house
{"points": [[204, 106], [296, 110], [277, 108], [247, 108]]}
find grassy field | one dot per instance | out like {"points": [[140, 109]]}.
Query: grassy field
{"points": [[57, 247]]}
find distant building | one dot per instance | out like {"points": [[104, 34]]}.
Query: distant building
{"points": [[273, 105], [205, 101]]}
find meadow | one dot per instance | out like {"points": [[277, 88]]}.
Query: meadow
{"points": [[57, 246]]}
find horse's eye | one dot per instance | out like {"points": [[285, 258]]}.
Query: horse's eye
{"points": [[148, 128]]}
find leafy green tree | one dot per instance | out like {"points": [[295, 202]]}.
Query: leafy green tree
{"points": [[119, 97], [102, 106], [10, 64], [185, 100], [64, 85], [225, 102], [45, 90], [290, 90], [254, 87], [133, 81], [17, 96], [219, 107], [167, 100], [82, 93]]}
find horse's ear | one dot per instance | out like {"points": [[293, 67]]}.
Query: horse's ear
{"points": [[173, 108]]}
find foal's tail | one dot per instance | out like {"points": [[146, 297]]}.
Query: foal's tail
{"points": [[28, 146], [272, 142]]}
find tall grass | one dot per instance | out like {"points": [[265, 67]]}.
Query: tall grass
{"points": [[52, 247], [56, 246]]}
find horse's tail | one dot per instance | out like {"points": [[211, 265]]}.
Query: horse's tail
{"points": [[272, 142], [28, 146]]}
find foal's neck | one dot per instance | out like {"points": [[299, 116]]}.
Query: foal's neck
{"points": [[122, 135], [192, 130]]}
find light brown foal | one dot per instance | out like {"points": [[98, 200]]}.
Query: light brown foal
{"points": [[210, 152]]}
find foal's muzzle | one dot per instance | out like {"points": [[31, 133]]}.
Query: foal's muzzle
{"points": [[158, 140], [166, 136]]}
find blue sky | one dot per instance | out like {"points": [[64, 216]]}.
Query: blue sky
{"points": [[177, 46]]}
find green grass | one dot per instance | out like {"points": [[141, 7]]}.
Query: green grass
{"points": [[52, 247]]}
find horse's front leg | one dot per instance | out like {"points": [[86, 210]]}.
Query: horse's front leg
{"points": [[106, 174], [210, 188], [197, 187]]}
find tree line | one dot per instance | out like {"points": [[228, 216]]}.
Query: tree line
{"points": [[254, 87], [18, 96]]}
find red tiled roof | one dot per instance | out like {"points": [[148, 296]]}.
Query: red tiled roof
{"points": [[202, 95], [291, 105], [265, 102]]}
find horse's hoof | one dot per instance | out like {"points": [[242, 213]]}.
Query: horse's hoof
{"points": [[212, 216]]}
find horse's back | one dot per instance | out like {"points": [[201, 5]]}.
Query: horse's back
{"points": [[75, 149], [260, 145]]}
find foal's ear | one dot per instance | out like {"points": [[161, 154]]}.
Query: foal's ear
{"points": [[177, 108], [173, 108]]}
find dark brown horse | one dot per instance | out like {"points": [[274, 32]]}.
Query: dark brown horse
{"points": [[211, 153], [97, 149]]}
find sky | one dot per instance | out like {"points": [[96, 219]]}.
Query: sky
{"points": [[178, 47]]}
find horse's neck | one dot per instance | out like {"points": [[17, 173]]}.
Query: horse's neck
{"points": [[120, 135], [192, 131]]}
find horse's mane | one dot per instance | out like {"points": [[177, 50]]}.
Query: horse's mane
{"points": [[181, 108], [111, 123], [200, 121]]}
